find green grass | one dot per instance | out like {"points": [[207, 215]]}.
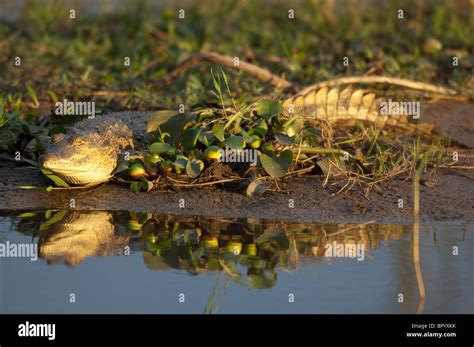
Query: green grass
{"points": [[64, 58]]}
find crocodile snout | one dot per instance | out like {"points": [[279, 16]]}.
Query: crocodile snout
{"points": [[46, 161]]}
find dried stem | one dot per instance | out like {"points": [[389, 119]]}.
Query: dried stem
{"points": [[224, 60]]}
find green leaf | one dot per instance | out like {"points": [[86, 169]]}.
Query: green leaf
{"points": [[54, 219], [235, 142], [161, 147], [31, 187], [277, 166], [293, 126], [121, 166], [217, 85], [31, 162], [206, 138], [135, 186], [32, 94], [180, 162], [247, 137], [268, 108], [173, 126], [47, 214], [261, 282], [146, 185], [27, 214], [274, 235], [260, 130], [284, 140], [158, 118], [194, 167], [218, 131], [190, 137], [58, 181]]}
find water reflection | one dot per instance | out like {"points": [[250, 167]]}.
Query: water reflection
{"points": [[249, 251], [331, 267]]}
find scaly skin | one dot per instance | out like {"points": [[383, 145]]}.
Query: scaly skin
{"points": [[348, 107]]}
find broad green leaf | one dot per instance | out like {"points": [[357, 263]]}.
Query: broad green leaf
{"points": [[293, 126], [54, 219], [235, 142], [276, 236], [146, 185], [161, 147], [121, 166], [180, 162], [284, 140], [158, 118], [59, 181], [194, 168], [174, 126], [268, 108], [190, 137], [247, 137], [218, 131], [277, 166], [206, 138], [260, 130], [261, 282]]}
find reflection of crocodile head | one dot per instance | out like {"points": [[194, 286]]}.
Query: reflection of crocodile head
{"points": [[79, 235]]}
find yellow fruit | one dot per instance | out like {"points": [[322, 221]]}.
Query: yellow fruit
{"points": [[137, 171], [201, 164], [432, 46], [134, 224], [256, 144], [267, 148], [150, 237], [152, 158], [210, 242], [251, 249], [166, 167], [212, 153], [234, 248]]}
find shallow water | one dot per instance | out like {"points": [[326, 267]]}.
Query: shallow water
{"points": [[101, 262]]}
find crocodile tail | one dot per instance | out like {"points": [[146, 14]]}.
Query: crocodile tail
{"points": [[349, 107]]}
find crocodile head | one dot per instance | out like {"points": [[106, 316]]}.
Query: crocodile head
{"points": [[83, 158]]}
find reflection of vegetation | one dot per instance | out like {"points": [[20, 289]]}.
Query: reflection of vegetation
{"points": [[248, 253], [245, 251]]}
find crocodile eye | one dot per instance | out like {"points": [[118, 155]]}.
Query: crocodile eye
{"points": [[57, 138]]}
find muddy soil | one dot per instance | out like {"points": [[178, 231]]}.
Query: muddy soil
{"points": [[451, 199]]}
